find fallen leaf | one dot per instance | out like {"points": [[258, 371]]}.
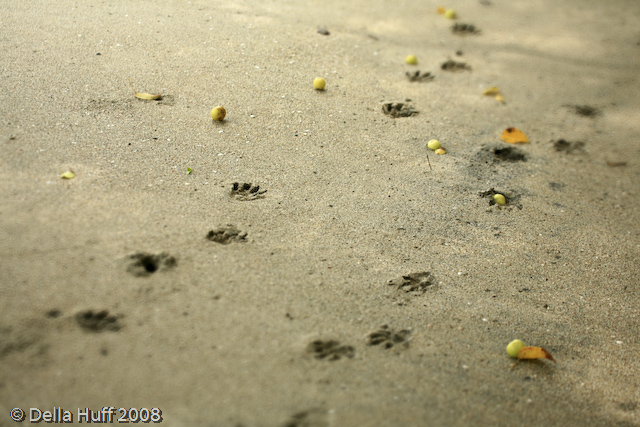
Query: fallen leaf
{"points": [[492, 91], [529, 353], [148, 96], [514, 136], [495, 92], [67, 175]]}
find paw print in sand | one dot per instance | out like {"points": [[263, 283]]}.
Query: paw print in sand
{"points": [[97, 321], [226, 235], [388, 337], [246, 191], [414, 282], [330, 350]]}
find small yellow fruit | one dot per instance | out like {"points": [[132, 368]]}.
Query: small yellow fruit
{"points": [[500, 199], [218, 114], [67, 175], [319, 83], [450, 14], [441, 151], [514, 347], [411, 60], [434, 144]]}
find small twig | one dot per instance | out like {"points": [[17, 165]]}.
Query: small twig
{"points": [[429, 161]]}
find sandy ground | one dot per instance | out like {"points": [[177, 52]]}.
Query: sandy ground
{"points": [[112, 295]]}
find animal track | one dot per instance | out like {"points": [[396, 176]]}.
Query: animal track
{"points": [[452, 65], [398, 109], [465, 29], [97, 321], [584, 110], [388, 337], [414, 282], [226, 235], [511, 198], [568, 147], [330, 350], [310, 418], [420, 77], [246, 191], [144, 264]]}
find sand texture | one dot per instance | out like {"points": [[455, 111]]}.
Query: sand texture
{"points": [[308, 261]]}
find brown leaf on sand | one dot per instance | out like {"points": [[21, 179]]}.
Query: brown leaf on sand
{"points": [[528, 353], [514, 136], [147, 96]]}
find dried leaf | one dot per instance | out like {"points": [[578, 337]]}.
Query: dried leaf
{"points": [[67, 175], [529, 353], [147, 96], [514, 136], [492, 91], [495, 92]]}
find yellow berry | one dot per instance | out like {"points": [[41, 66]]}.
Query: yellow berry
{"points": [[319, 83], [500, 199], [514, 347], [441, 151], [218, 114], [411, 60], [434, 144], [450, 14]]}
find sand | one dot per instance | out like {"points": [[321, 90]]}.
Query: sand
{"points": [[112, 294]]}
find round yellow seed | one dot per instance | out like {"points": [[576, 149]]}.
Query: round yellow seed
{"points": [[514, 347], [434, 144], [450, 14], [411, 60], [218, 114], [500, 199], [441, 151], [319, 83]]}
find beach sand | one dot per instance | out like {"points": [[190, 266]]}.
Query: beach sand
{"points": [[371, 284]]}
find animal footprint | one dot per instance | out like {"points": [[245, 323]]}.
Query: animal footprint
{"points": [[420, 77], [245, 191], [465, 29], [452, 65], [226, 235], [388, 337], [144, 264], [97, 321], [414, 282], [330, 350], [398, 109]]}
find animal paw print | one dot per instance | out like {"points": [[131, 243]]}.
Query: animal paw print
{"points": [[398, 109], [97, 321], [465, 29], [388, 337], [144, 264], [417, 76], [245, 191], [330, 350], [414, 282], [452, 65], [226, 235]]}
